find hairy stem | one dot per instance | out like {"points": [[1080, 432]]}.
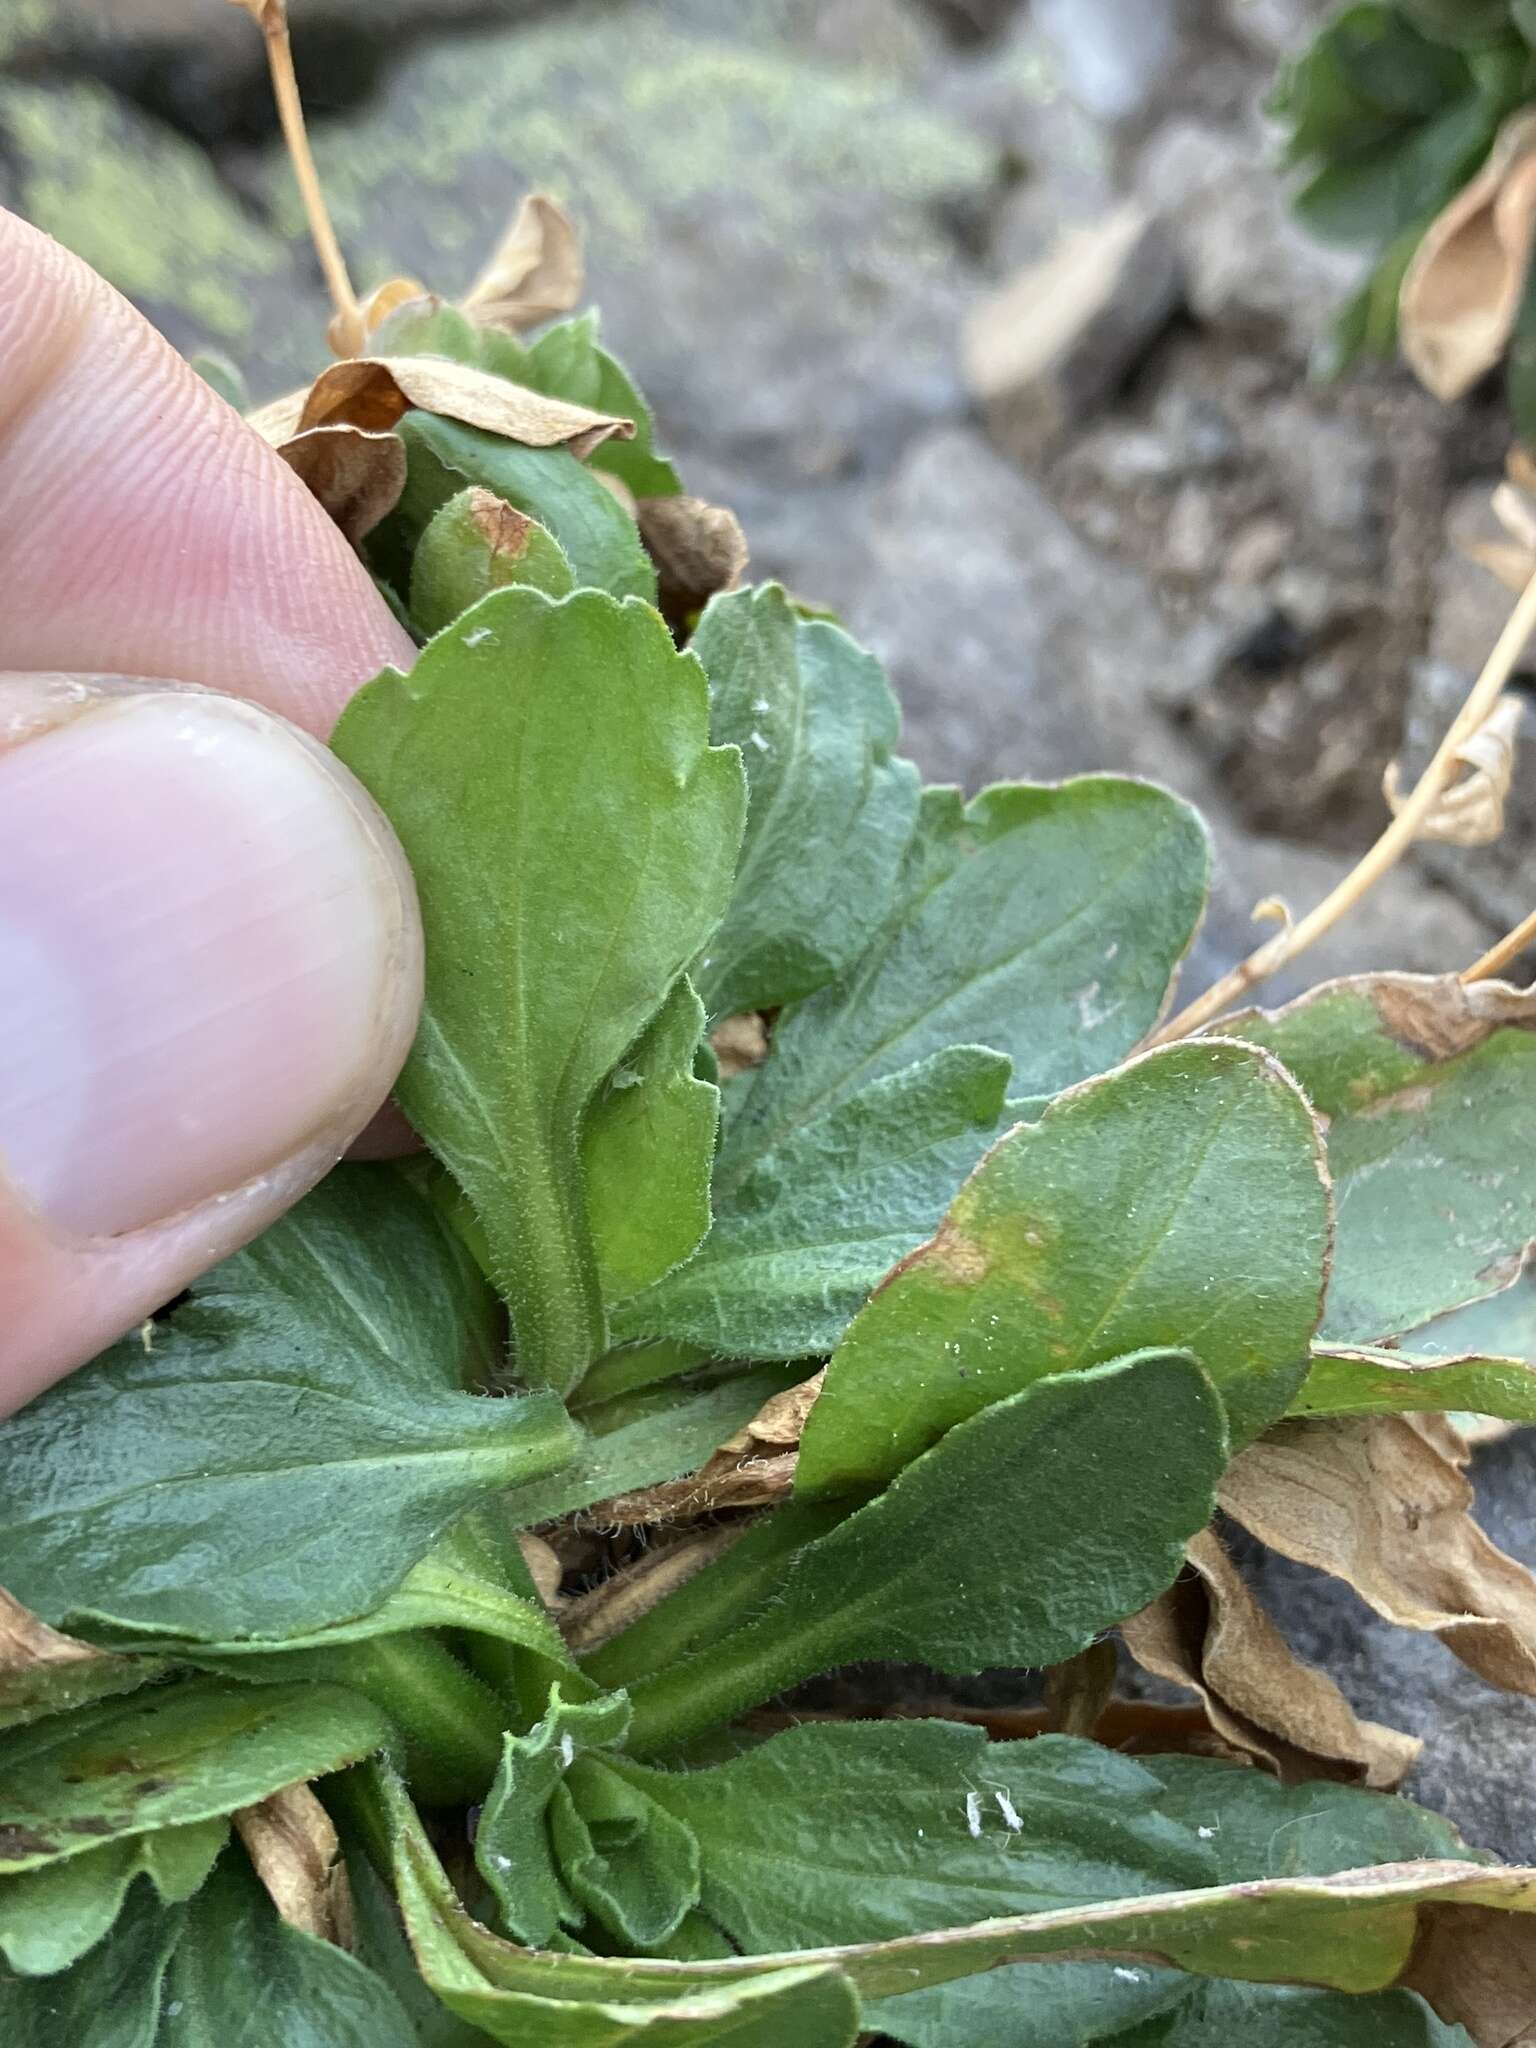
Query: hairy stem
{"points": [[1389, 848]]}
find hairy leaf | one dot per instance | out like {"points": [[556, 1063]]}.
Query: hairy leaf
{"points": [[547, 768], [805, 1235], [166, 1758], [597, 535], [1429, 1087], [299, 1426], [477, 543], [1045, 923], [1181, 1200], [647, 1146], [948, 1568], [50, 1916], [830, 809]]}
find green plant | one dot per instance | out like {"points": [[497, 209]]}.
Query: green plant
{"points": [[744, 1056]]}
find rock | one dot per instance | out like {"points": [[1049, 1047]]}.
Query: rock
{"points": [[1277, 28], [1332, 470], [1044, 353], [149, 211], [1470, 604], [766, 233], [1249, 268], [1258, 551], [1115, 53], [1191, 540]]}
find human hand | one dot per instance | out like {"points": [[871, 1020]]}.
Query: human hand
{"points": [[210, 957]]}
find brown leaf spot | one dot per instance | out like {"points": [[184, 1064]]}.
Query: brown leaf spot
{"points": [[18, 1843], [956, 1257]]}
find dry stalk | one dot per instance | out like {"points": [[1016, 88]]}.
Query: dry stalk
{"points": [[271, 17], [1498, 957], [1389, 848]]}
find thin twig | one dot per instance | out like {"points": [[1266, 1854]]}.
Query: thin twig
{"points": [[1509, 948], [1389, 848], [271, 17]]}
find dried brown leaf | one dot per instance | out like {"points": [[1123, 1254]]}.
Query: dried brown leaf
{"points": [[1078, 1691], [376, 392], [544, 1568], [739, 1042], [293, 1848], [755, 1468], [610, 1608], [26, 1642], [1470, 811], [348, 332], [1376, 1502], [357, 476], [1209, 1633], [1477, 1968], [1461, 294], [534, 272], [698, 549]]}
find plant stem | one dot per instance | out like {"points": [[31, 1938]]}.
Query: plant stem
{"points": [[1389, 848], [449, 1722], [1509, 948], [272, 19]]}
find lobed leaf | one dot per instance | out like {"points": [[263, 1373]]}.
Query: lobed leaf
{"points": [[474, 544], [547, 768], [299, 1423]]}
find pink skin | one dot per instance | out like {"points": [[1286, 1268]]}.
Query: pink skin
{"points": [[225, 935]]}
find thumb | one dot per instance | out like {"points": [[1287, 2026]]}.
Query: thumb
{"points": [[210, 972]]}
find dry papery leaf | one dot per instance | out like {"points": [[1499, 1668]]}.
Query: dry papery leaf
{"points": [[1461, 294], [610, 1608], [1470, 811], [755, 1468], [1477, 1968], [534, 272], [1078, 1691], [347, 333], [357, 476], [1209, 1633], [376, 392], [1381, 1503], [698, 549], [293, 1848], [740, 1042], [26, 1642], [544, 1568]]}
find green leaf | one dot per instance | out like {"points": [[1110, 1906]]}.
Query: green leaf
{"points": [[1181, 1200], [297, 1425], [548, 771], [565, 362], [1044, 923], [861, 1832], [948, 1568], [1366, 77], [380, 1945], [50, 1916], [178, 1754], [1354, 1932], [809, 1230], [110, 1999], [1284, 2016], [475, 544], [1430, 1092], [647, 1147], [564, 1837], [1403, 181], [830, 809], [444, 457]]}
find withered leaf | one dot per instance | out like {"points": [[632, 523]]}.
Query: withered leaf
{"points": [[698, 549], [534, 272], [292, 1844], [753, 1468], [1461, 294], [739, 1042], [376, 392], [1470, 810], [1208, 1632], [356, 475], [42, 1671], [1477, 1968], [597, 1617], [1078, 1691], [1374, 1501]]}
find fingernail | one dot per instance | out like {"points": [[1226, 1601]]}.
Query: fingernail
{"points": [[209, 956]]}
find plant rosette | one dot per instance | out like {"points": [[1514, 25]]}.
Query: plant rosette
{"points": [[824, 1252]]}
